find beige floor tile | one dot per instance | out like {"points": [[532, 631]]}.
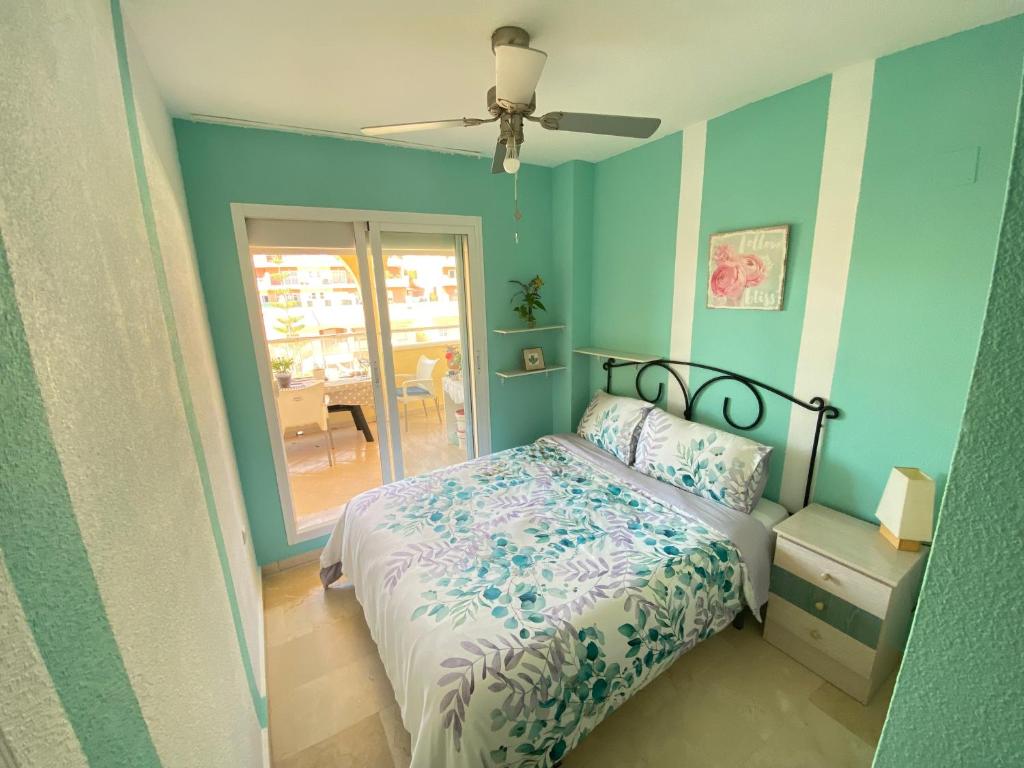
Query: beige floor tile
{"points": [[294, 663], [718, 722], [315, 607], [732, 700], [320, 491], [811, 739], [767, 679], [280, 625], [865, 721], [292, 583], [363, 745], [317, 652], [344, 641], [337, 604], [308, 713]]}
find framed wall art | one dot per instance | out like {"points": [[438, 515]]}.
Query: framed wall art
{"points": [[747, 268], [533, 359]]}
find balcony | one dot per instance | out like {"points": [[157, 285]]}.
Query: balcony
{"points": [[344, 354]]}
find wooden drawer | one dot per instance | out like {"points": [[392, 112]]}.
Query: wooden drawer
{"points": [[828, 641], [812, 657], [848, 618], [852, 586]]}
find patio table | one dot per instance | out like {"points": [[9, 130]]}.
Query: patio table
{"points": [[346, 395]]}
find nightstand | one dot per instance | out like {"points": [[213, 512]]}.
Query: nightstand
{"points": [[841, 598]]}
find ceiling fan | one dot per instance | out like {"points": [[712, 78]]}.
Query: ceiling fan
{"points": [[512, 100]]}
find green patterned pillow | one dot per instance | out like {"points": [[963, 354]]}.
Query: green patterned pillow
{"points": [[717, 465], [613, 424]]}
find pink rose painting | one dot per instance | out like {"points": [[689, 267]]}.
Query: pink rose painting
{"points": [[747, 268]]}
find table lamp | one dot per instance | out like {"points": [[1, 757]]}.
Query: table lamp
{"points": [[906, 508]]}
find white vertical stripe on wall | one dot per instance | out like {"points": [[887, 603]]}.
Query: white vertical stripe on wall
{"points": [[691, 186], [846, 133]]}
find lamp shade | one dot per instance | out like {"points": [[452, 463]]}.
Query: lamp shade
{"points": [[907, 504], [517, 72]]}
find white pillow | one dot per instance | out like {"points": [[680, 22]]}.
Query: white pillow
{"points": [[613, 423], [708, 462]]}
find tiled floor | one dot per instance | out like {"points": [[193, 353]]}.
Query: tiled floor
{"points": [[319, 491], [733, 700]]}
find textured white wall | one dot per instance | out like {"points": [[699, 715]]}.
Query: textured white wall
{"points": [[175, 234], [88, 295]]}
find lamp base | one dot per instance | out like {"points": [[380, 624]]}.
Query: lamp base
{"points": [[905, 545]]}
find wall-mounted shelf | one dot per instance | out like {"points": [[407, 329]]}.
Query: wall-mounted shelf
{"points": [[632, 357], [515, 374], [506, 331]]}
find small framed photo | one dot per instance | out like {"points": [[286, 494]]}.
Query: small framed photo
{"points": [[533, 358], [747, 268]]}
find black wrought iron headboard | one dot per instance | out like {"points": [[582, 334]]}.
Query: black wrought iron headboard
{"points": [[816, 405]]}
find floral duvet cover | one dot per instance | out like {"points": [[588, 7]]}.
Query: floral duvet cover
{"points": [[518, 599]]}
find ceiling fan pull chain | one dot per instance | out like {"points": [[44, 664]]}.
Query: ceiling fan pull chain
{"points": [[517, 215]]}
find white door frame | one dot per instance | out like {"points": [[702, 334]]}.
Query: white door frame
{"points": [[469, 226]]}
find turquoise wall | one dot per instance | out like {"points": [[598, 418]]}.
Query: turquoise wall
{"points": [[762, 166], [923, 249], [636, 201], [572, 194], [957, 698], [223, 165], [603, 236], [935, 170]]}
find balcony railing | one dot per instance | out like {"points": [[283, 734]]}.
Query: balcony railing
{"points": [[347, 353]]}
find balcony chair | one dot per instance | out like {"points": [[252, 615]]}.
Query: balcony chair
{"points": [[418, 386]]}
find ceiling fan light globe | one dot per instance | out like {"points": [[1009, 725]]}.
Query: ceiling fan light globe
{"points": [[511, 164]]}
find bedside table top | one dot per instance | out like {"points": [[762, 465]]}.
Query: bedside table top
{"points": [[848, 540]]}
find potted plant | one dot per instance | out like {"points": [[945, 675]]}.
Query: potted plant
{"points": [[283, 370], [453, 357], [529, 300]]}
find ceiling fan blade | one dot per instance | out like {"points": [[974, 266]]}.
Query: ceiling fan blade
{"points": [[608, 125], [498, 164], [517, 72], [384, 130]]}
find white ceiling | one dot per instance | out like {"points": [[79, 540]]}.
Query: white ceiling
{"points": [[338, 65]]}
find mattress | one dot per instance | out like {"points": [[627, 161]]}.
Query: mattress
{"points": [[769, 514]]}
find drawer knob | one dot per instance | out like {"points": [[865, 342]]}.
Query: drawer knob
{"points": [[816, 634], [819, 605], [826, 576]]}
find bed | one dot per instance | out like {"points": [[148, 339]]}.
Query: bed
{"points": [[519, 598]]}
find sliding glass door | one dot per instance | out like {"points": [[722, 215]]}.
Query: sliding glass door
{"points": [[370, 343], [316, 312], [422, 305]]}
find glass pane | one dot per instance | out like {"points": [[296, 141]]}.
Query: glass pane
{"points": [[312, 305], [425, 310]]}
